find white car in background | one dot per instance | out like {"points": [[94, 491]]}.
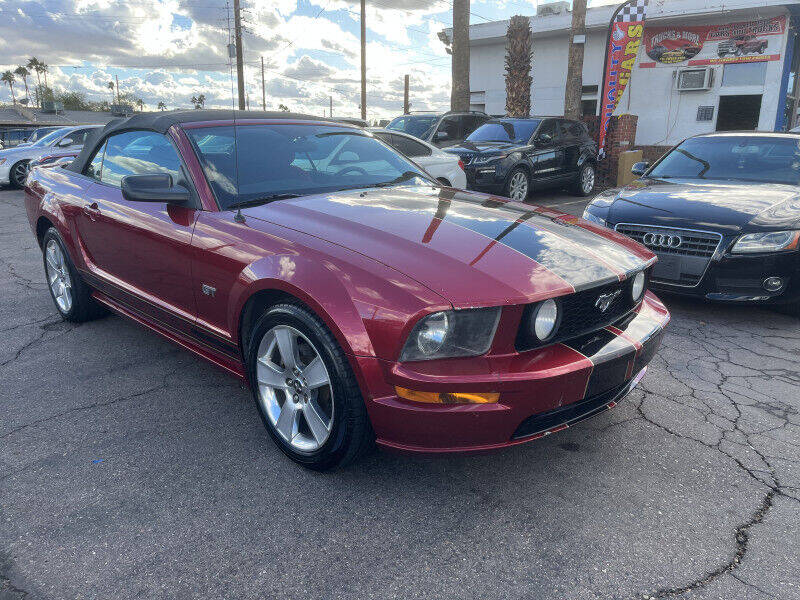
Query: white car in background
{"points": [[15, 162], [446, 168]]}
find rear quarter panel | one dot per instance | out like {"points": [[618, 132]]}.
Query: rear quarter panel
{"points": [[56, 195]]}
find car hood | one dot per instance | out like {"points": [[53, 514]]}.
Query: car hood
{"points": [[473, 249], [723, 206], [467, 148]]}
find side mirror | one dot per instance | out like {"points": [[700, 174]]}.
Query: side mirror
{"points": [[64, 161], [441, 136], [640, 168], [64, 142], [153, 188], [544, 139]]}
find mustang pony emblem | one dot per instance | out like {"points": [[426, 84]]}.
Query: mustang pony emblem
{"points": [[604, 300]]}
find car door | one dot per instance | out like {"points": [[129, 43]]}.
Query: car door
{"points": [[571, 145], [139, 253], [547, 155]]}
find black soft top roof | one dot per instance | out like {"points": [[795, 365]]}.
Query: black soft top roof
{"points": [[162, 121]]}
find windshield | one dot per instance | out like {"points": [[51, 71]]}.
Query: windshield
{"points": [[295, 159], [766, 159], [505, 131], [416, 126], [50, 137]]}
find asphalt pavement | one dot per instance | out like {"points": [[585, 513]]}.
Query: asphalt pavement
{"points": [[129, 468]]}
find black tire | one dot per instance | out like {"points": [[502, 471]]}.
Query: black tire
{"points": [[18, 173], [444, 182], [351, 434], [83, 308], [578, 187], [515, 173]]}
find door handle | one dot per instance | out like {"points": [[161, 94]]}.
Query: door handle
{"points": [[91, 210]]}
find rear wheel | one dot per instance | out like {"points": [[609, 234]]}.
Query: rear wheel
{"points": [[18, 173], [70, 293], [305, 390], [584, 184], [518, 186]]}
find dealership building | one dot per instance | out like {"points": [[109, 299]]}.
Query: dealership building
{"points": [[703, 66]]}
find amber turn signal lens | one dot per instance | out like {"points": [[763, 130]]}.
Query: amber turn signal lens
{"points": [[446, 398]]}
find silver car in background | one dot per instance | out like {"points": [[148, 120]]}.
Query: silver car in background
{"points": [[15, 162]]}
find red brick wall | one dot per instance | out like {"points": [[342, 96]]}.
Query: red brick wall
{"points": [[621, 137], [652, 153]]}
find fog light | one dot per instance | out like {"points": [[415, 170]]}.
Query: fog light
{"points": [[773, 284], [446, 397]]}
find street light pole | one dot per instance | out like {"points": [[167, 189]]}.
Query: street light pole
{"points": [[364, 59], [237, 34]]}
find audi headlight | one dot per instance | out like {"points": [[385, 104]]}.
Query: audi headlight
{"points": [[772, 241], [452, 333], [545, 319], [604, 199], [638, 285], [593, 218]]}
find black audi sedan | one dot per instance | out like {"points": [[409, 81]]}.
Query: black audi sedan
{"points": [[722, 212], [511, 157]]}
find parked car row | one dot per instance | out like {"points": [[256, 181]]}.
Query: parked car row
{"points": [[359, 298]]}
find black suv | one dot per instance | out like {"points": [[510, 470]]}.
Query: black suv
{"points": [[444, 129], [511, 156]]}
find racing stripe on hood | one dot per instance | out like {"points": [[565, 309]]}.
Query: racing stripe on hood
{"points": [[535, 237]]}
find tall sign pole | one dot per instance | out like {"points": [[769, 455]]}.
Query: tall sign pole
{"points": [[406, 104], [364, 59], [237, 34], [263, 87], [624, 38]]}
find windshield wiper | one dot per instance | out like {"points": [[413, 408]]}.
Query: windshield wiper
{"points": [[262, 200], [401, 179]]}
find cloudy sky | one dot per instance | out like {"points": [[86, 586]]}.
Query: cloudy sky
{"points": [[170, 50]]}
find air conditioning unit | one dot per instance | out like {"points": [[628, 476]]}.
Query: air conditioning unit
{"points": [[552, 8], [694, 80]]}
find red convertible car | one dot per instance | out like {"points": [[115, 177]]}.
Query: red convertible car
{"points": [[359, 298]]}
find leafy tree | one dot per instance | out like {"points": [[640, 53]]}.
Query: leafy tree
{"points": [[23, 72], [8, 78], [283, 107], [73, 100], [110, 85], [199, 101], [162, 105]]}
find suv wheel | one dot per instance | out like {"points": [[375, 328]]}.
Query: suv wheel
{"points": [[584, 184], [305, 390], [518, 186]]}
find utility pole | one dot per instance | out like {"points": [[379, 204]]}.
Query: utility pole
{"points": [[459, 96], [364, 59], [406, 105], [237, 34], [330, 112], [263, 87], [577, 43], [116, 78]]}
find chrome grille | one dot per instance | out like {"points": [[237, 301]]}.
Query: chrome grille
{"points": [[693, 243]]}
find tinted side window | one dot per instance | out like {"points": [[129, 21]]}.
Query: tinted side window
{"points": [[79, 136], [564, 130], [139, 153], [472, 122], [409, 147], [94, 168], [548, 127], [451, 126]]}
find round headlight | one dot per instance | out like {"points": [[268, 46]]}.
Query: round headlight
{"points": [[637, 289], [545, 320], [431, 336]]}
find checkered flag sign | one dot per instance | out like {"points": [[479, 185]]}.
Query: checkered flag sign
{"points": [[634, 11]]}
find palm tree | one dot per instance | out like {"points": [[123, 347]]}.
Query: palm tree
{"points": [[140, 104], [23, 72], [519, 41], [8, 77], [33, 65], [110, 85], [162, 106]]}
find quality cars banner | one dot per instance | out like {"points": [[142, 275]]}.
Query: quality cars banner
{"points": [[749, 41], [624, 38]]}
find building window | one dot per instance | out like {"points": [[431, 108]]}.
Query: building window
{"points": [[705, 113], [588, 107], [589, 96], [744, 74]]}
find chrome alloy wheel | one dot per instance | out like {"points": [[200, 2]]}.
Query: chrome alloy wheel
{"points": [[518, 187], [58, 277], [294, 388], [587, 180], [19, 173]]}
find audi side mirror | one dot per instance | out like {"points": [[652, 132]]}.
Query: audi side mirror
{"points": [[153, 188], [441, 136], [544, 139], [640, 168]]}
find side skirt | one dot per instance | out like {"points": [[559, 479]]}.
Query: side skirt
{"points": [[232, 366]]}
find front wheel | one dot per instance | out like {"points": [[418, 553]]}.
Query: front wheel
{"points": [[305, 390], [518, 186], [584, 184], [18, 173]]}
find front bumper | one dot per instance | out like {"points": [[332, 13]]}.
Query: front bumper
{"points": [[490, 179], [541, 391], [740, 278], [5, 170]]}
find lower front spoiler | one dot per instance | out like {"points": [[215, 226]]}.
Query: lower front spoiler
{"points": [[536, 426]]}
